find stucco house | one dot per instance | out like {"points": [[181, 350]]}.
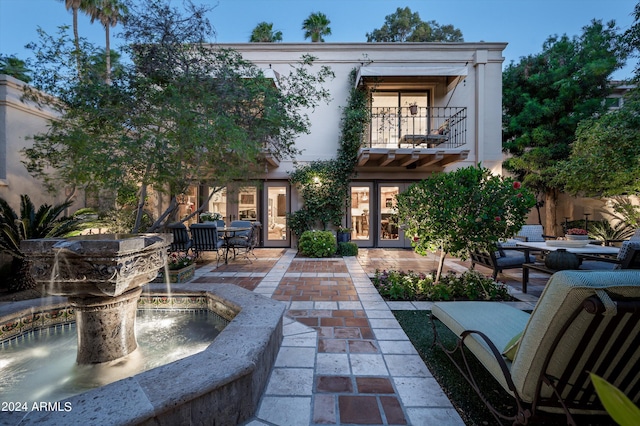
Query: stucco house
{"points": [[19, 121], [434, 107]]}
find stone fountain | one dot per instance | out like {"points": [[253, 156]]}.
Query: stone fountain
{"points": [[102, 276]]}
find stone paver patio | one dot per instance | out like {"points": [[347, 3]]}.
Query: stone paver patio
{"points": [[345, 359]]}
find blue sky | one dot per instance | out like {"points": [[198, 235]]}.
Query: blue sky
{"points": [[524, 24]]}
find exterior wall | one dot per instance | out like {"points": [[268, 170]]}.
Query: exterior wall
{"points": [[18, 122], [480, 92]]}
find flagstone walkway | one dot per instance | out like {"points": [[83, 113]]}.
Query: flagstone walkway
{"points": [[344, 359]]}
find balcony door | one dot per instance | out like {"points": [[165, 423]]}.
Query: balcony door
{"points": [[395, 114]]}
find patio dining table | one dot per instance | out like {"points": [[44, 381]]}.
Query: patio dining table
{"points": [[229, 233], [553, 245]]}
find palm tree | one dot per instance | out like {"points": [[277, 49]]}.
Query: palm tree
{"points": [[15, 67], [76, 5], [263, 33], [109, 13], [316, 26], [43, 223]]}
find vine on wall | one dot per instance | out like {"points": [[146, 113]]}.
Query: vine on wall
{"points": [[324, 185]]}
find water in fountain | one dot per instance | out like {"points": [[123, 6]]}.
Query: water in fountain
{"points": [[40, 366]]}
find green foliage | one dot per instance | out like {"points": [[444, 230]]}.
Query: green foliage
{"points": [[167, 122], [317, 243], [347, 249], [470, 285], [605, 158], [464, 210], [263, 33], [15, 67], [618, 405], [45, 222], [405, 26], [316, 26], [324, 185], [547, 95]]}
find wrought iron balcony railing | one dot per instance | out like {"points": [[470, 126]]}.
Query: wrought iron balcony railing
{"points": [[417, 127]]}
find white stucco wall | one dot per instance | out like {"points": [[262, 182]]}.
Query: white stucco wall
{"points": [[480, 91], [18, 122]]}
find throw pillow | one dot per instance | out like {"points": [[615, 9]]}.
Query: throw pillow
{"points": [[511, 349]]}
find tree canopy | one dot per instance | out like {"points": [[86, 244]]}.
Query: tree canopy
{"points": [[15, 67], [182, 113], [461, 211], [263, 33], [546, 96], [316, 26], [406, 26]]}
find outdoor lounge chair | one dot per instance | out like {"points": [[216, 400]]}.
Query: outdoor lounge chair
{"points": [[181, 239], [584, 321], [205, 238]]}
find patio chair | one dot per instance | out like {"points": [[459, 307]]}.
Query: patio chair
{"points": [[500, 259], [246, 243], [628, 258], [181, 239], [584, 321], [241, 224], [205, 238]]}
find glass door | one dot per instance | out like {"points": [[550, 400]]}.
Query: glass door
{"points": [[360, 214], [276, 233], [390, 234]]}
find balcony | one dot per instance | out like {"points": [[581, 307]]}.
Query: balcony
{"points": [[414, 137]]}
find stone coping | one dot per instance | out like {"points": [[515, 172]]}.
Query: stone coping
{"points": [[221, 385]]}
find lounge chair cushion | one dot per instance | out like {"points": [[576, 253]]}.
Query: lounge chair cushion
{"points": [[500, 322], [563, 293], [512, 258]]}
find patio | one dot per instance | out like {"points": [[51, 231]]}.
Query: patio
{"points": [[344, 358]]}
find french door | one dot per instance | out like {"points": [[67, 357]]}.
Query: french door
{"points": [[276, 205], [389, 231]]}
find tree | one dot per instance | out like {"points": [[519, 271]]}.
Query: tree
{"points": [[546, 96], [109, 13], [31, 223], [15, 67], [183, 113], [406, 26], [263, 33], [461, 211], [605, 158], [75, 6], [316, 26]]}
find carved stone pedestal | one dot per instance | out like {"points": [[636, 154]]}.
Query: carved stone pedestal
{"points": [[106, 326]]}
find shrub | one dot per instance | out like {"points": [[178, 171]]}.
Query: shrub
{"points": [[347, 249], [471, 285], [317, 243]]}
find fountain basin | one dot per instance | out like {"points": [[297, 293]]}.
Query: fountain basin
{"points": [[221, 385]]}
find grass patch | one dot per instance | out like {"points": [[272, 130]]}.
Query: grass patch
{"points": [[417, 326]]}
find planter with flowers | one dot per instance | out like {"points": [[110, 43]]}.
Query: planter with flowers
{"points": [[576, 234], [181, 268]]}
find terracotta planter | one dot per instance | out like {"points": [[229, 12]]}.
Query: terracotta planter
{"points": [[178, 275]]}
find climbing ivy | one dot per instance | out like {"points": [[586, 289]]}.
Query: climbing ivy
{"points": [[324, 185]]}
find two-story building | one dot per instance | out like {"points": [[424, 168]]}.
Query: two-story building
{"points": [[434, 107]]}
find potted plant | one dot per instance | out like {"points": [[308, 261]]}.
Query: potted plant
{"points": [[210, 217], [344, 234], [576, 234], [181, 268]]}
